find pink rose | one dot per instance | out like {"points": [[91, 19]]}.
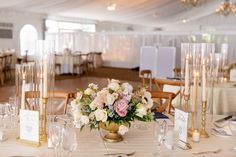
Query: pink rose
{"points": [[121, 107]]}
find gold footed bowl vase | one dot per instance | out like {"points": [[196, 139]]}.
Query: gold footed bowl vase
{"points": [[112, 135]]}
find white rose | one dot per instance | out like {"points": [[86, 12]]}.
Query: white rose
{"points": [[84, 120], [127, 88], [123, 129], [93, 105], [147, 99], [100, 115], [141, 110], [88, 91], [114, 86], [110, 98]]}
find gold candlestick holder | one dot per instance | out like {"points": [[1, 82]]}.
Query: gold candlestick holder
{"points": [[186, 102], [43, 132], [203, 132], [192, 128]]}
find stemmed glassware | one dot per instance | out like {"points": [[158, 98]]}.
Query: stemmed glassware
{"points": [[55, 133], [159, 134], [171, 140], [69, 140], [232, 126], [3, 112], [13, 109]]}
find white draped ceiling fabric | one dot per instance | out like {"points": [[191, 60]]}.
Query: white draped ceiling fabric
{"points": [[122, 49], [154, 13]]}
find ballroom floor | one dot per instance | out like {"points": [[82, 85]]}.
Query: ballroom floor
{"points": [[70, 83]]}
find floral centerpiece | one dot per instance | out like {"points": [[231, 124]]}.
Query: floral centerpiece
{"points": [[112, 108]]}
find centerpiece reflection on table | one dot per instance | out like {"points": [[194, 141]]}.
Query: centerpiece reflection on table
{"points": [[112, 108]]}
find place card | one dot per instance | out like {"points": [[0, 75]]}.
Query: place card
{"points": [[181, 124], [29, 127], [233, 75]]}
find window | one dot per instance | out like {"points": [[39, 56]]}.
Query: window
{"points": [[59, 26], [28, 37]]}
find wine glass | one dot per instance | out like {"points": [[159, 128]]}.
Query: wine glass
{"points": [[13, 108], [55, 133], [171, 140], [159, 134], [232, 127], [3, 112], [69, 140]]}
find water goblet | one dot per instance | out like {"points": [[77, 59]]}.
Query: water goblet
{"points": [[13, 108], [232, 127], [69, 140], [159, 134], [171, 141], [55, 133], [3, 112]]}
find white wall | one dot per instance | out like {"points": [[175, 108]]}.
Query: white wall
{"points": [[19, 19]]}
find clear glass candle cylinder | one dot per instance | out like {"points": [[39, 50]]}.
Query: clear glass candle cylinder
{"points": [[26, 82]]}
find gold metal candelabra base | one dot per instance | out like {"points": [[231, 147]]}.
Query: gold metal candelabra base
{"points": [[203, 132], [43, 133]]}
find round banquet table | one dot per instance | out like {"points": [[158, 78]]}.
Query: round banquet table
{"points": [[138, 139], [224, 100]]}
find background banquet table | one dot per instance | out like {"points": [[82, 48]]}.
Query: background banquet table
{"points": [[138, 139], [224, 98], [224, 101]]}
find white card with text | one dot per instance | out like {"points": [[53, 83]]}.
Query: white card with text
{"points": [[29, 125], [181, 124]]}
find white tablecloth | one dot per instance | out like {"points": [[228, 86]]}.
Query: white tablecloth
{"points": [[67, 63], [138, 139], [224, 97]]}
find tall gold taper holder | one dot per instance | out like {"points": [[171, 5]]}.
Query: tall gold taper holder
{"points": [[203, 132], [186, 102], [43, 134]]}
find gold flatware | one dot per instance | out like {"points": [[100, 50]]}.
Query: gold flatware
{"points": [[127, 154], [209, 151]]}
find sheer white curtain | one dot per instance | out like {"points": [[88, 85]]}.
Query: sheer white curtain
{"points": [[122, 49]]}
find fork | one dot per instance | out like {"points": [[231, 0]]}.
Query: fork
{"points": [[222, 132], [205, 152], [126, 154]]}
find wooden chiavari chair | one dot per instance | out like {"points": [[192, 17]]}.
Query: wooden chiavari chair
{"points": [[169, 86], [58, 104]]}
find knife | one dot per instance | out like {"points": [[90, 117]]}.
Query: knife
{"points": [[224, 119]]}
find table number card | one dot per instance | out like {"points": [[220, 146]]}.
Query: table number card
{"points": [[29, 127], [233, 75], [181, 124]]}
